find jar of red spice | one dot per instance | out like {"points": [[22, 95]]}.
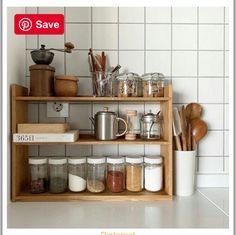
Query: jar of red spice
{"points": [[115, 174]]}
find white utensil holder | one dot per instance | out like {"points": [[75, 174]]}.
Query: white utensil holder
{"points": [[184, 172]]}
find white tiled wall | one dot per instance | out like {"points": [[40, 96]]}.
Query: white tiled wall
{"points": [[188, 44]]}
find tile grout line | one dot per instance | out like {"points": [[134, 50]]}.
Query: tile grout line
{"points": [[213, 203], [171, 43], [118, 60], [38, 104], [92, 104], [145, 35], [65, 119], [148, 23]]}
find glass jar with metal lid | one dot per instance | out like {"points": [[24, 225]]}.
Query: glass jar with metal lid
{"points": [[96, 174], [153, 173], [153, 84], [77, 174], [115, 174], [58, 174], [151, 126], [128, 84], [134, 173], [38, 174]]}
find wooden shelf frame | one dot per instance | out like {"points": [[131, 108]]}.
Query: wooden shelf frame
{"points": [[19, 154]]}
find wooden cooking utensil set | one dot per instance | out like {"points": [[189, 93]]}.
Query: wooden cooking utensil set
{"points": [[188, 128]]}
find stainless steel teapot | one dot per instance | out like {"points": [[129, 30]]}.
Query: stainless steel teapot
{"points": [[106, 125]]}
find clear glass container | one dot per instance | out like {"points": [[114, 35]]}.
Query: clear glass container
{"points": [[131, 119], [153, 84], [153, 173], [38, 174], [134, 173], [58, 174], [128, 85], [96, 174], [115, 174], [77, 174], [151, 126]]}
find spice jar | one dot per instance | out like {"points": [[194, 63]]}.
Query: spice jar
{"points": [[134, 173], [38, 174], [115, 174], [153, 84], [58, 174], [77, 174], [96, 174], [131, 118], [128, 84], [153, 172]]}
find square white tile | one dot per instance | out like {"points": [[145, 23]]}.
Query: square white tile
{"points": [[226, 164], [226, 98], [105, 14], [111, 58], [184, 14], [132, 61], [226, 37], [85, 86], [77, 63], [158, 15], [29, 62], [155, 108], [226, 118], [184, 63], [79, 34], [184, 37], [211, 37], [213, 115], [226, 63], [158, 61], [215, 94], [131, 14], [211, 144], [51, 10], [31, 10], [105, 36], [211, 15], [33, 113], [78, 150], [78, 14], [31, 41], [43, 116], [210, 164], [158, 37], [58, 63], [105, 150], [51, 151], [226, 14], [210, 63], [152, 149], [52, 41], [226, 143], [131, 149], [33, 151], [79, 116], [184, 90], [131, 36]]}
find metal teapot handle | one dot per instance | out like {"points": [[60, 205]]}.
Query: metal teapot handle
{"points": [[126, 126]]}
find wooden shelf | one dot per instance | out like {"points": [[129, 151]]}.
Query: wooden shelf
{"points": [[87, 196], [90, 140]]}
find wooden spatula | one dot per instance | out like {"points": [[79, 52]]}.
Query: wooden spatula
{"points": [[177, 128]]}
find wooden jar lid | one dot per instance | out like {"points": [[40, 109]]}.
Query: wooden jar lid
{"points": [[66, 77]]}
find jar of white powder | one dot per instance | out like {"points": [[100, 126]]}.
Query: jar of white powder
{"points": [[153, 173], [77, 174]]}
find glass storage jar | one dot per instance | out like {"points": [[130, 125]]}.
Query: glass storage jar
{"points": [[57, 174], [96, 174], [153, 173], [131, 118], [153, 84], [77, 174], [115, 174], [128, 84], [134, 173], [38, 174]]}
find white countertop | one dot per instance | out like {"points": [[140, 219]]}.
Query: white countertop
{"points": [[207, 208]]}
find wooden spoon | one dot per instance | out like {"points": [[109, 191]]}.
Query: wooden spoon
{"points": [[192, 111], [199, 130]]}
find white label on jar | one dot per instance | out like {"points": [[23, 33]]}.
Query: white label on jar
{"points": [[153, 178], [76, 183]]}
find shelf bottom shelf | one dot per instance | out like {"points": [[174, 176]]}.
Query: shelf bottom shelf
{"points": [[87, 196]]}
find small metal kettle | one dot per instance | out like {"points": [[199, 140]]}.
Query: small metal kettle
{"points": [[106, 125]]}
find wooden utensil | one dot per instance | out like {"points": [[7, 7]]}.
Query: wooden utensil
{"points": [[189, 137], [177, 128], [199, 130], [192, 111], [103, 62], [183, 127]]}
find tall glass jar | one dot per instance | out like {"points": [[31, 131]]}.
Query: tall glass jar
{"points": [[38, 174], [134, 173], [131, 118], [77, 174], [153, 172], [58, 174], [115, 174], [153, 84], [96, 174]]}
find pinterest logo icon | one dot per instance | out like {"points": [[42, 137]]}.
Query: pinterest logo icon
{"points": [[25, 24]]}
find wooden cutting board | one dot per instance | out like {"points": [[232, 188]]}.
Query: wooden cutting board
{"points": [[43, 127]]}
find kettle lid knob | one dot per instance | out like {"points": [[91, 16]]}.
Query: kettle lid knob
{"points": [[105, 109]]}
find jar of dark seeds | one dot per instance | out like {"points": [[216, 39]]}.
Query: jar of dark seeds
{"points": [[57, 174], [38, 174]]}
